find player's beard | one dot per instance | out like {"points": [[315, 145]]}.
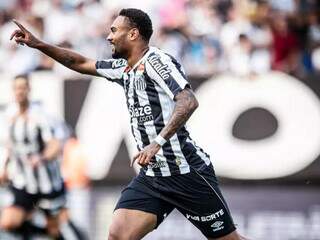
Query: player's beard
{"points": [[119, 53]]}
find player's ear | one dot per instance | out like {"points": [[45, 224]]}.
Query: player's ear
{"points": [[133, 34]]}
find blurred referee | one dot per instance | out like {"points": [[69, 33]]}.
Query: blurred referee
{"points": [[175, 172], [32, 169]]}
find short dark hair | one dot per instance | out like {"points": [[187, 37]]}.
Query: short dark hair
{"points": [[139, 19], [23, 76]]}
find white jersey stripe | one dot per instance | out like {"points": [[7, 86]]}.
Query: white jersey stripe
{"points": [[200, 153], [167, 108], [162, 84], [44, 181], [31, 182], [152, 134]]}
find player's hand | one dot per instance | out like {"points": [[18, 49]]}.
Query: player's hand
{"points": [[3, 178], [35, 160], [144, 157], [23, 36]]}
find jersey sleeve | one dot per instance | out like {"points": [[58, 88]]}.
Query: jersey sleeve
{"points": [[167, 73], [46, 128], [112, 69], [4, 128]]}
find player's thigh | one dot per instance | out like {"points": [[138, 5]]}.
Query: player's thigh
{"points": [[131, 224], [12, 217], [137, 212], [207, 209]]}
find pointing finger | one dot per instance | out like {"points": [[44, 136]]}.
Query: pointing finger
{"points": [[20, 25]]}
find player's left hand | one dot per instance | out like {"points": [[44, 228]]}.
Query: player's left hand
{"points": [[35, 161], [3, 177], [144, 157]]}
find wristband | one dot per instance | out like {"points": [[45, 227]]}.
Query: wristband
{"points": [[160, 140]]}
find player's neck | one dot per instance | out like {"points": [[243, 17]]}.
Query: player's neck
{"points": [[23, 107], [136, 54]]}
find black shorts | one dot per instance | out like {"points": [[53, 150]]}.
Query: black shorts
{"points": [[196, 195], [50, 204]]}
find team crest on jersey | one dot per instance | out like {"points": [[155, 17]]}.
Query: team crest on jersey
{"points": [[140, 83], [139, 79]]}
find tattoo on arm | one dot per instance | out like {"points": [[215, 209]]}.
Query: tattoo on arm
{"points": [[186, 104], [68, 58]]}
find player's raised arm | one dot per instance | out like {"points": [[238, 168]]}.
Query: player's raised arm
{"points": [[64, 56]]}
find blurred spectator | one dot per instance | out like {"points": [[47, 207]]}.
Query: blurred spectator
{"points": [[285, 46], [260, 36], [202, 34], [314, 40], [241, 53]]}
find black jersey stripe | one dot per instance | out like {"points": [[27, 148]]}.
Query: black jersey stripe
{"points": [[50, 172], [35, 172], [178, 65], [144, 136], [200, 149], [57, 181], [12, 129], [26, 139], [103, 64], [40, 141], [154, 100]]}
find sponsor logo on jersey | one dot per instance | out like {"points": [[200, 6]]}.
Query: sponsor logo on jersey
{"points": [[119, 63], [158, 164], [161, 68], [142, 113], [216, 226]]}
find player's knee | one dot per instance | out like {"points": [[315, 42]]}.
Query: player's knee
{"points": [[115, 232], [120, 232]]}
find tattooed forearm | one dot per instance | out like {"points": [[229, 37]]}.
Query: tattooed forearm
{"points": [[186, 103], [66, 57]]}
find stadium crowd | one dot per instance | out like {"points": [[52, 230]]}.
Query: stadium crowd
{"points": [[207, 36]]}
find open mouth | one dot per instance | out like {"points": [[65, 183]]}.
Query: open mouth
{"points": [[113, 48]]}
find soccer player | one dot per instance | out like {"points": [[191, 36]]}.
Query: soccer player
{"points": [[32, 169], [175, 172]]}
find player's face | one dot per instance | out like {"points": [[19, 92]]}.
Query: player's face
{"points": [[119, 37], [21, 90]]}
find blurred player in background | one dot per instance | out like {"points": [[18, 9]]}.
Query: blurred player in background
{"points": [[32, 170], [175, 172]]}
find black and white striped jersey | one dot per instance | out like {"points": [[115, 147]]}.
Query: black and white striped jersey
{"points": [[27, 135], [150, 87]]}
